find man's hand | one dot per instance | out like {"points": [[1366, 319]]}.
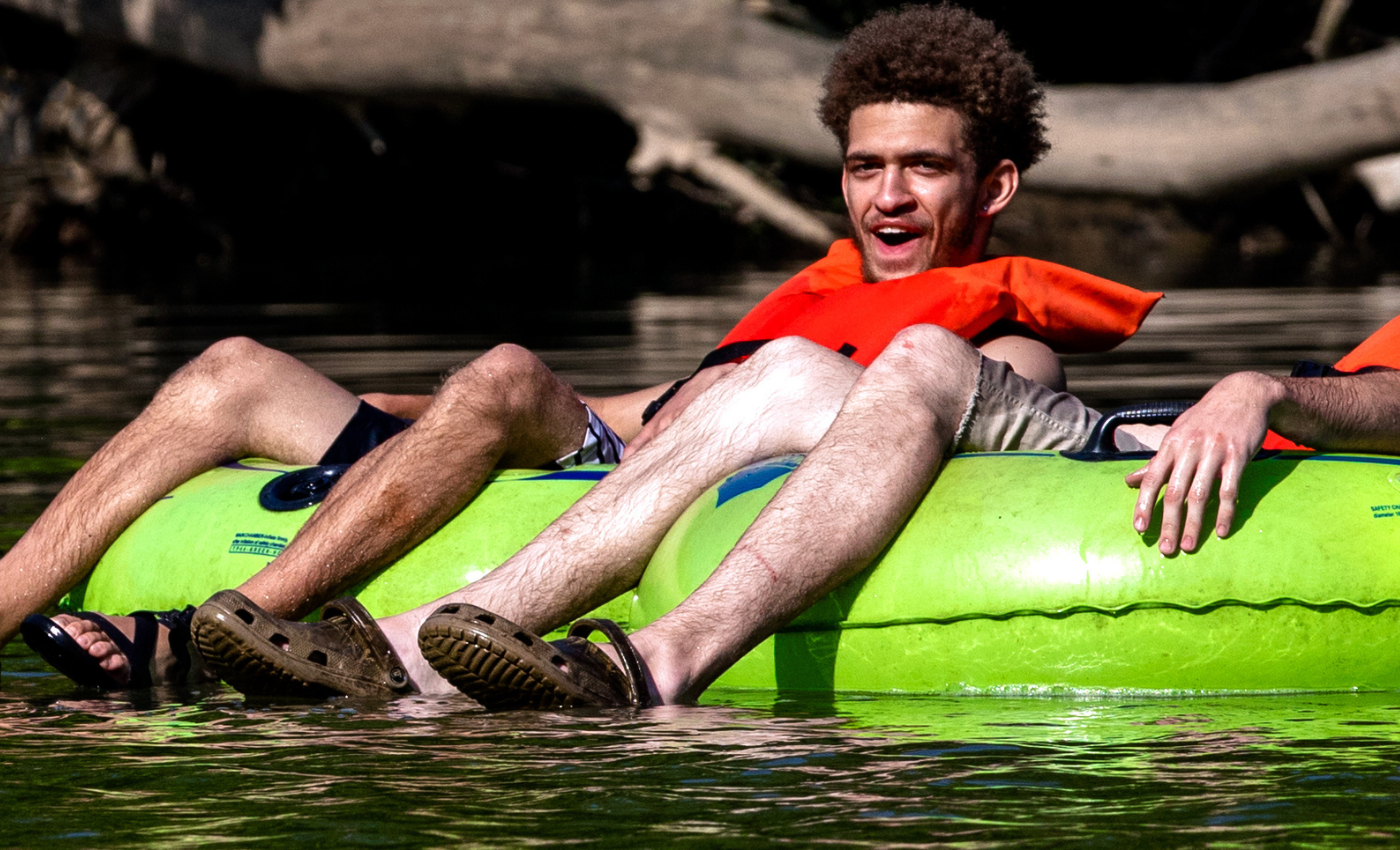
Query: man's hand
{"points": [[1213, 441], [702, 381]]}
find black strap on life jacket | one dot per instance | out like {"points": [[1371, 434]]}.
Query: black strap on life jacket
{"points": [[731, 353], [734, 352], [1313, 369]]}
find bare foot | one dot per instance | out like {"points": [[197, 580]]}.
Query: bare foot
{"points": [[653, 689], [101, 647], [402, 633]]}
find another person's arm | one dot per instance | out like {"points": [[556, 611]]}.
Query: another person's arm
{"points": [[623, 413], [1215, 439], [402, 406], [694, 386]]}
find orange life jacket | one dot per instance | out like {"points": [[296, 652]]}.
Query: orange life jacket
{"points": [[1381, 348], [830, 303]]}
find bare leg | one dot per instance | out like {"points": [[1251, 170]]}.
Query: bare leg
{"points": [[505, 407], [237, 398], [780, 401], [877, 460]]}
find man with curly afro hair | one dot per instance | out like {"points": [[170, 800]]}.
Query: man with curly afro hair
{"points": [[942, 56], [920, 66], [899, 346]]}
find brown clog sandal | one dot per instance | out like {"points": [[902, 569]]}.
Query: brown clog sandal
{"points": [[262, 655], [503, 666]]}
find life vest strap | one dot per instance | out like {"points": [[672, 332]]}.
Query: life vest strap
{"points": [[731, 353]]}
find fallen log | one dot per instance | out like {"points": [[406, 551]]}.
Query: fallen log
{"points": [[708, 71], [1203, 141]]}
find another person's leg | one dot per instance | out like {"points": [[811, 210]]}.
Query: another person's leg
{"points": [[504, 407], [780, 401], [927, 393], [237, 398]]}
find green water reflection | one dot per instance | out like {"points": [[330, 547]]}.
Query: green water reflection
{"points": [[194, 768]]}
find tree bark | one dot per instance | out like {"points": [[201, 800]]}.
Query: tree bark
{"points": [[709, 71]]}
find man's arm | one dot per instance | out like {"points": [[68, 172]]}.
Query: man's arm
{"points": [[623, 413], [1028, 358], [402, 406], [1215, 439]]}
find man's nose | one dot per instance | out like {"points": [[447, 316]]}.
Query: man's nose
{"points": [[894, 191]]}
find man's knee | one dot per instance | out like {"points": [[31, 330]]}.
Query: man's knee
{"points": [[793, 386], [508, 377], [931, 363], [926, 352], [225, 366], [929, 343], [793, 362], [788, 351]]}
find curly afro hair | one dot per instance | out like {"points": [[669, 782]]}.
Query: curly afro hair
{"points": [[944, 56]]}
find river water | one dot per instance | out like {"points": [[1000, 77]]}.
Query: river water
{"points": [[79, 356]]}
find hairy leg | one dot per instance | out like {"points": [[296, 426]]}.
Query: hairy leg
{"points": [[780, 401], [237, 398], [875, 462], [504, 408]]}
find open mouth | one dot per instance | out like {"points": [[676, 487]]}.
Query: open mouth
{"points": [[893, 236]]}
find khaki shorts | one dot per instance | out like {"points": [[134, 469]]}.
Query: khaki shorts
{"points": [[1008, 413]]}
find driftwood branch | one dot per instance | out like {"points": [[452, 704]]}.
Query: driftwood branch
{"points": [[659, 148], [1199, 141], [720, 74], [1329, 20]]}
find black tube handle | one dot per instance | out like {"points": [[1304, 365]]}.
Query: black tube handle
{"points": [[1100, 445], [302, 488]]}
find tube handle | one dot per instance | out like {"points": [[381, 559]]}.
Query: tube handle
{"points": [[1100, 444]]}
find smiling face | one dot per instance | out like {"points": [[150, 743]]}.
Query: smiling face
{"points": [[912, 188]]}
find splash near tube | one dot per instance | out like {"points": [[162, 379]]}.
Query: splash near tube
{"points": [[213, 532], [1020, 573]]}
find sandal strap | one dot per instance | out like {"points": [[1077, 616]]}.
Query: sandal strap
{"points": [[366, 631], [631, 662], [138, 652], [177, 620]]}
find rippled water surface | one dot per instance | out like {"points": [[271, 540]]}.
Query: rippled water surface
{"points": [[204, 767], [184, 768]]}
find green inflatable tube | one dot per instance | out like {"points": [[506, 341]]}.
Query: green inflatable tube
{"points": [[212, 533], [1018, 573]]}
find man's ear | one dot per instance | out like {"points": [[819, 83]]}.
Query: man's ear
{"points": [[998, 187]]}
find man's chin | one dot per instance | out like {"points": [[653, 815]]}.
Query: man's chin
{"points": [[883, 262], [876, 268]]}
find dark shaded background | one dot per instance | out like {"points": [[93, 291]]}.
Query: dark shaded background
{"points": [[514, 213]]}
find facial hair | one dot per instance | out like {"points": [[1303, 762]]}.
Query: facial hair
{"points": [[950, 243]]}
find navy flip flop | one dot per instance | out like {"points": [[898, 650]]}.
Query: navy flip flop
{"points": [[65, 655]]}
